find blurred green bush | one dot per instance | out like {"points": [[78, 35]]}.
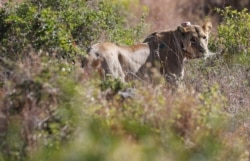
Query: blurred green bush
{"points": [[234, 35]]}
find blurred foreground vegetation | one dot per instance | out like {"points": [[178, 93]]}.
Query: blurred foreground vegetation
{"points": [[52, 110]]}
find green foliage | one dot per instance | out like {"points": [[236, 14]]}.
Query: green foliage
{"points": [[39, 27], [113, 84], [234, 35], [62, 28]]}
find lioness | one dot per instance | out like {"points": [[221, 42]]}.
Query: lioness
{"points": [[175, 46], [164, 50]]}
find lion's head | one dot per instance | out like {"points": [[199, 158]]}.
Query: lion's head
{"points": [[195, 40], [172, 47], [190, 40]]}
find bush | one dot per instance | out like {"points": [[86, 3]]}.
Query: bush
{"points": [[62, 28], [234, 35], [37, 106]]}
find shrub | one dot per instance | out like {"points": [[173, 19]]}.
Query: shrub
{"points": [[234, 35], [36, 103], [62, 28]]}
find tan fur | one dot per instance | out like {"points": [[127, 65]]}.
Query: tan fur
{"points": [[116, 60], [163, 50]]}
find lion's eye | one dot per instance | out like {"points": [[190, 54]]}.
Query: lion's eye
{"points": [[204, 37], [97, 54], [192, 40]]}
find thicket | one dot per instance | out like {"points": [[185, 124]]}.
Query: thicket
{"points": [[63, 28], [52, 110], [234, 35]]}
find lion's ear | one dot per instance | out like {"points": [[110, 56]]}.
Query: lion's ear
{"points": [[207, 27], [182, 29]]}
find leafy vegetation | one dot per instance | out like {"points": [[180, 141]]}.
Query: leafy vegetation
{"points": [[62, 28], [51, 109], [234, 35]]}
